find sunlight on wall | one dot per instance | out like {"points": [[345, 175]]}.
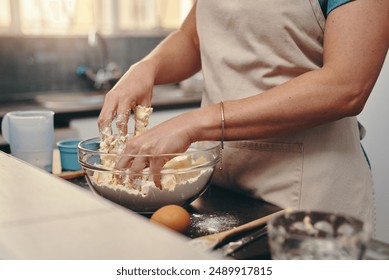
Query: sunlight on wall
{"points": [[68, 17], [5, 14]]}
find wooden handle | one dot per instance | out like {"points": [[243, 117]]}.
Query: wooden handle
{"points": [[70, 174], [242, 228], [57, 168], [252, 224]]}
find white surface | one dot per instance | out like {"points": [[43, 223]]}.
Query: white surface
{"points": [[375, 118], [44, 217]]}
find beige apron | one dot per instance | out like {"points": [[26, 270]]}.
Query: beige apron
{"points": [[250, 46]]}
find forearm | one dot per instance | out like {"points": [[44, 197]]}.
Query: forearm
{"points": [[170, 63], [312, 99], [301, 103], [174, 59], [177, 57]]}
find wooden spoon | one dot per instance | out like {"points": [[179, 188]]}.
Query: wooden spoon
{"points": [[211, 241], [70, 174]]}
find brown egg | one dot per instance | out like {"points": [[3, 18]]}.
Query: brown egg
{"points": [[172, 216]]}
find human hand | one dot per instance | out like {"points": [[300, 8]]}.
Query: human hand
{"points": [[168, 138], [134, 88]]}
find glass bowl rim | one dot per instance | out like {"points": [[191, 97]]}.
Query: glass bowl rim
{"points": [[214, 145], [364, 231]]}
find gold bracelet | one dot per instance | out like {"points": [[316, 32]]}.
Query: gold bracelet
{"points": [[222, 139], [222, 115]]}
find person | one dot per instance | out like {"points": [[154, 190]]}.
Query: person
{"points": [[289, 78]]}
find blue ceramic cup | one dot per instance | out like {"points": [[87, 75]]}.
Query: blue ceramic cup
{"points": [[68, 152]]}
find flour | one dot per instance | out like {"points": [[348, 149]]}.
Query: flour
{"points": [[146, 197], [176, 171], [204, 224], [182, 179]]}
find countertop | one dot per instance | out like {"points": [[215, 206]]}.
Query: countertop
{"points": [[45, 217], [220, 209]]}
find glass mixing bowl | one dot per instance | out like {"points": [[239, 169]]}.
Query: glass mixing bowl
{"points": [[183, 178], [316, 235]]}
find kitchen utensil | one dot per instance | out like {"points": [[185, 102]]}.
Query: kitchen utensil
{"points": [[70, 174], [231, 247], [183, 179], [216, 240], [317, 235], [31, 136], [57, 168], [68, 154]]}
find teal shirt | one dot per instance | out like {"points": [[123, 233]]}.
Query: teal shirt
{"points": [[328, 5]]}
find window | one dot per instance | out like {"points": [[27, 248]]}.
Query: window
{"points": [[5, 14], [70, 17]]}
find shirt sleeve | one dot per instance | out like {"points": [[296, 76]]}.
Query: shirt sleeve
{"points": [[329, 5], [332, 4]]}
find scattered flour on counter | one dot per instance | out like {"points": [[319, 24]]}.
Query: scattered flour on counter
{"points": [[213, 223]]}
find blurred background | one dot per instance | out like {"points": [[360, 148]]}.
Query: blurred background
{"points": [[43, 42], [65, 54]]}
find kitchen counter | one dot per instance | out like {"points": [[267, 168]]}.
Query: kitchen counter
{"points": [[221, 209], [45, 217]]}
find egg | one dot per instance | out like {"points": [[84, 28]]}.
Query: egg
{"points": [[172, 216]]}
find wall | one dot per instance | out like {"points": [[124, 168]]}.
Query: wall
{"points": [[47, 64], [375, 118]]}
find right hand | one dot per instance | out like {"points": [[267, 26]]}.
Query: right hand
{"points": [[134, 88], [169, 137]]}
